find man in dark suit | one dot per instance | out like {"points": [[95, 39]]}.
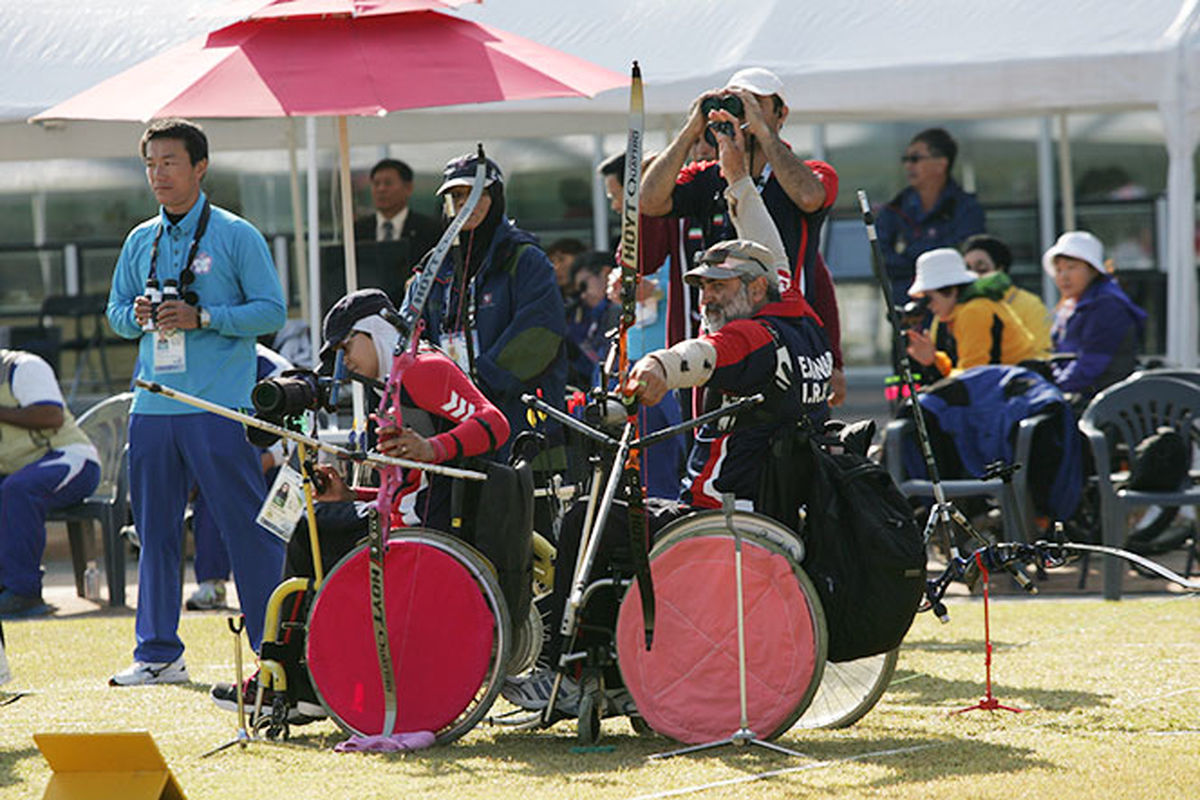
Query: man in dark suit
{"points": [[393, 220]]}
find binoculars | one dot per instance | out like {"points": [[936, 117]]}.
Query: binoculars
{"points": [[728, 102]]}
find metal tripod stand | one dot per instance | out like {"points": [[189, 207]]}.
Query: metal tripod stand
{"points": [[744, 735]]}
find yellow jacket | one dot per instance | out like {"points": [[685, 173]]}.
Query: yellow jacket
{"points": [[1032, 312], [985, 331]]}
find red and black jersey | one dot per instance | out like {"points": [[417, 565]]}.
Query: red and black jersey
{"points": [[700, 194], [782, 352]]}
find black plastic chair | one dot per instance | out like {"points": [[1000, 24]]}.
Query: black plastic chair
{"points": [[107, 425], [1127, 413], [1016, 503], [78, 308]]}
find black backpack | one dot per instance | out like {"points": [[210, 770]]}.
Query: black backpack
{"points": [[863, 550]]}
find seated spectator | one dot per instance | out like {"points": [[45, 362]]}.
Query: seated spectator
{"points": [[984, 329], [562, 253], [986, 255], [1095, 322], [46, 462], [590, 319]]}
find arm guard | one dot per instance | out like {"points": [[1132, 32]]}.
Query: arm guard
{"points": [[689, 363]]}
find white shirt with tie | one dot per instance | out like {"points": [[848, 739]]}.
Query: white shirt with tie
{"points": [[381, 234]]}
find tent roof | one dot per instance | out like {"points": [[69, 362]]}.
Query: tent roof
{"points": [[852, 60]]}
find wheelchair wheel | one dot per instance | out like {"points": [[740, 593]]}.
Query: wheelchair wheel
{"points": [[528, 639], [849, 690], [447, 626], [687, 685]]}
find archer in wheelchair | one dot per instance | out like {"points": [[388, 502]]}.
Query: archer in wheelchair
{"points": [[446, 418], [757, 340]]}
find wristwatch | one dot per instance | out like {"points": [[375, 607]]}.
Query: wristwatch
{"points": [[205, 317]]}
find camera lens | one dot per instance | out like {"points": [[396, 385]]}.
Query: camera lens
{"points": [[284, 396]]}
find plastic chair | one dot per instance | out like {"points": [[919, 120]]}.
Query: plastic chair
{"points": [[107, 425], [1016, 507], [78, 307], [1127, 413]]}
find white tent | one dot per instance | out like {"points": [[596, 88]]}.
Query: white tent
{"points": [[851, 60]]}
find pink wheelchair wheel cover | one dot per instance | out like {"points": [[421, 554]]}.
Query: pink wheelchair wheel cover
{"points": [[440, 628], [686, 686]]}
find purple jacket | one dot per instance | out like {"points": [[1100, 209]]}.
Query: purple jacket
{"points": [[1104, 332]]}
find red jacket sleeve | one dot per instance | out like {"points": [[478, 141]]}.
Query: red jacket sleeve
{"points": [[828, 177], [824, 302], [437, 385]]}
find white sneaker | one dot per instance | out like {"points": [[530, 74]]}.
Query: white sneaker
{"points": [[209, 595], [144, 673]]}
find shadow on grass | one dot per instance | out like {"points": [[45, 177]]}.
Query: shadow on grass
{"points": [[920, 688], [8, 763], [960, 646], [548, 754]]}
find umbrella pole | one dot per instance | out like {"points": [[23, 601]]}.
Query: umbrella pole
{"points": [[348, 243], [300, 254], [314, 236]]}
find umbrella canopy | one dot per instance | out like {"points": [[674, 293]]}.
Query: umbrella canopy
{"points": [[336, 58], [337, 65]]}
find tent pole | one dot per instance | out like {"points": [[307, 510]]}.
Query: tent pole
{"points": [[1046, 230], [599, 200], [347, 195], [1064, 174], [314, 236]]}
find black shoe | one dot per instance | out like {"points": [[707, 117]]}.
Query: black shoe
{"points": [[300, 712]]}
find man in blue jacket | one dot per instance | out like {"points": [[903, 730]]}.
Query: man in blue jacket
{"points": [[498, 312], [933, 211], [203, 344]]}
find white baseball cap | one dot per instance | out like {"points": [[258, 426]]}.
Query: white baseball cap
{"points": [[937, 269], [1076, 244], [756, 80]]}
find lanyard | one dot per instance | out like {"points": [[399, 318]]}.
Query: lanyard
{"points": [[188, 275]]}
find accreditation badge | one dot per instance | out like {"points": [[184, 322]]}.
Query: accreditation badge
{"points": [[455, 345], [284, 504], [170, 352]]}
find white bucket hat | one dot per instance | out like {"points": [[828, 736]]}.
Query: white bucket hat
{"points": [[1076, 244], [937, 269]]}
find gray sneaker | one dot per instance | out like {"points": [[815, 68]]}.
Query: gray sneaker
{"points": [[532, 692], [209, 596], [144, 673]]}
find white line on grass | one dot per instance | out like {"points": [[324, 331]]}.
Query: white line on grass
{"points": [[787, 770]]}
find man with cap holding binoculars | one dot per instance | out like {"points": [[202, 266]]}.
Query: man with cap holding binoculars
{"points": [[797, 193]]}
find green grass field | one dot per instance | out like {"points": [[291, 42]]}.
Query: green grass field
{"points": [[1112, 692]]}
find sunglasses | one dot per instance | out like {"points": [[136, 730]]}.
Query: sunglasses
{"points": [[913, 158]]}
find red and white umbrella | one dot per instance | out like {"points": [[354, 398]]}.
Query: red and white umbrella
{"points": [[336, 58]]}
